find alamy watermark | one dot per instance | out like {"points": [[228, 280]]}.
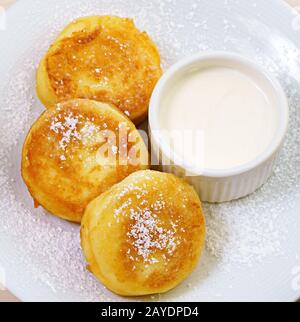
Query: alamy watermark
{"points": [[296, 279], [2, 279], [296, 19], [183, 148], [2, 19], [123, 146]]}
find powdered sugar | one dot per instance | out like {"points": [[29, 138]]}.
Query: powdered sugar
{"points": [[149, 235], [67, 129]]}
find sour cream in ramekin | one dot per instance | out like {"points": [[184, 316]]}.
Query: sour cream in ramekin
{"points": [[220, 120]]}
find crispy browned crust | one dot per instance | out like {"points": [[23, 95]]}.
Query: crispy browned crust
{"points": [[102, 58], [111, 249], [63, 174]]}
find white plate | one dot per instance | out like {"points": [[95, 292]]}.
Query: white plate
{"points": [[253, 245]]}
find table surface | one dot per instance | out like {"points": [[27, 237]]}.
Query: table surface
{"points": [[6, 296]]}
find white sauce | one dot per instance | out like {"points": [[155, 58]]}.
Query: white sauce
{"points": [[237, 117]]}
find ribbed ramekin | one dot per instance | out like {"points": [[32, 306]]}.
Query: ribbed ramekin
{"points": [[220, 185]]}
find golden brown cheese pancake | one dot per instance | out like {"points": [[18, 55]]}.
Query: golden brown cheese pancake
{"points": [[72, 154], [144, 235], [105, 58]]}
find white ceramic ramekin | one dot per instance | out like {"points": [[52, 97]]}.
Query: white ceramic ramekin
{"points": [[229, 184]]}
